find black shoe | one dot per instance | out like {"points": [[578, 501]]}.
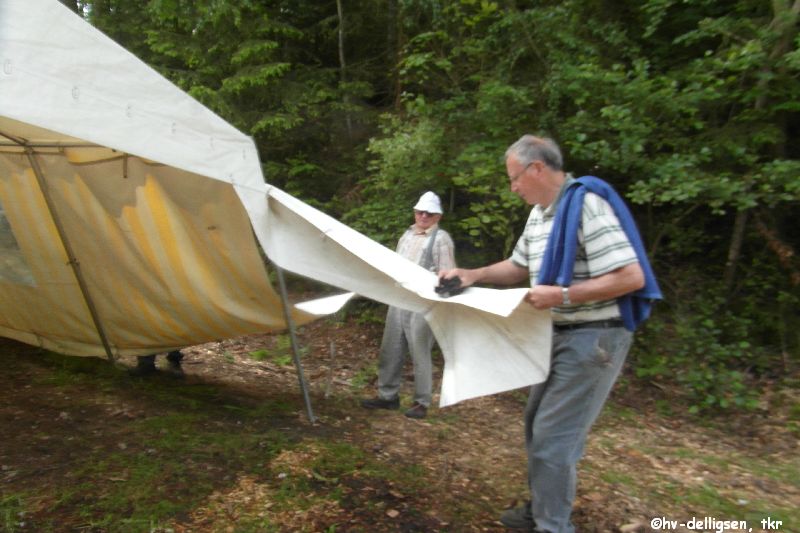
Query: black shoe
{"points": [[417, 411], [519, 518], [380, 403], [145, 366], [175, 370], [175, 356]]}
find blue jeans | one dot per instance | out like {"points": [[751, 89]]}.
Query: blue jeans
{"points": [[584, 366]]}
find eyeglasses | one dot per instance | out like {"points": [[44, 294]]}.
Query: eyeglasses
{"points": [[425, 213], [516, 176]]}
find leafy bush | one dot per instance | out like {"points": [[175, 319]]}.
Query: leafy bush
{"points": [[705, 350]]}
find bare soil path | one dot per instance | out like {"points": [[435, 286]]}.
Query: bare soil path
{"points": [[465, 463]]}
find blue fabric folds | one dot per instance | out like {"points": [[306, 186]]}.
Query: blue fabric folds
{"points": [[562, 246]]}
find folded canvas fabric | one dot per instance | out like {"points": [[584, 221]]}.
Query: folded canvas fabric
{"points": [[491, 340]]}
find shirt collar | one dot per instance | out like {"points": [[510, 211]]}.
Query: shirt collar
{"points": [[551, 209], [428, 231]]}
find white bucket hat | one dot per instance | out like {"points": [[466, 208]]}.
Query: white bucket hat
{"points": [[429, 202]]}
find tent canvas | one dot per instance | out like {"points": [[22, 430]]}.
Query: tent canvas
{"points": [[158, 199], [130, 180]]}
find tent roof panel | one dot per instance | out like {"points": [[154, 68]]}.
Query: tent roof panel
{"points": [[61, 74]]}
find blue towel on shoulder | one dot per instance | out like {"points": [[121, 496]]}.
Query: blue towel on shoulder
{"points": [[559, 257]]}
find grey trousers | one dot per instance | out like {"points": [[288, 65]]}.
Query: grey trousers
{"points": [[404, 332], [585, 364]]}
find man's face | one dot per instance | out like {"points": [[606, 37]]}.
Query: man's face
{"points": [[524, 179], [424, 220]]}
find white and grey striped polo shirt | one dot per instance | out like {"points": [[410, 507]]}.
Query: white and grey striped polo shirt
{"points": [[602, 248]]}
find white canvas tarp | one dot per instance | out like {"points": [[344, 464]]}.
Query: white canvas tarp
{"points": [[109, 171], [124, 158]]}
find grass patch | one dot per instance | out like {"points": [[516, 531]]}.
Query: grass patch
{"points": [[705, 499], [365, 375], [256, 525], [282, 354], [329, 475], [173, 463], [614, 412], [64, 370], [337, 459], [617, 478], [167, 459], [266, 355], [785, 472], [788, 473], [157, 454], [708, 498], [12, 513]]}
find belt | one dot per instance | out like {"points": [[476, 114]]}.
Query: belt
{"points": [[602, 324]]}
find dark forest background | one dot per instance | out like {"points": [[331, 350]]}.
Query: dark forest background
{"points": [[690, 108]]}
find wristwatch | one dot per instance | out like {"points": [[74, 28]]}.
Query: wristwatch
{"points": [[565, 296]]}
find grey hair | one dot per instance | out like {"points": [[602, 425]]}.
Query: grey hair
{"points": [[530, 148]]}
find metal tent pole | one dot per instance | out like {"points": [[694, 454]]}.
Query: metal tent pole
{"points": [[73, 262], [295, 349]]}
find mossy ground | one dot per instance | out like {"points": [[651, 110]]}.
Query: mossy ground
{"points": [[229, 448]]}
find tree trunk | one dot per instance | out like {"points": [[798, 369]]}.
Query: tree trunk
{"points": [[393, 49], [343, 70], [735, 250], [784, 22], [784, 251]]}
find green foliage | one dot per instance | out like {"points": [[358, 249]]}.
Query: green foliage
{"points": [[365, 376], [12, 513], [271, 70], [681, 105], [413, 162], [688, 107], [705, 352], [367, 312], [281, 354]]}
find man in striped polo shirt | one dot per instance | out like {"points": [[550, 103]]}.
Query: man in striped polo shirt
{"points": [[589, 341]]}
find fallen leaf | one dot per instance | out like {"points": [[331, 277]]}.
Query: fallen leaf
{"points": [[633, 527]]}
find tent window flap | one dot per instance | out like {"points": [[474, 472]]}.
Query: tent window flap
{"points": [[13, 267]]}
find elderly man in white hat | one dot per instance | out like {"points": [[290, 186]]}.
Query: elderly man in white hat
{"points": [[431, 247]]}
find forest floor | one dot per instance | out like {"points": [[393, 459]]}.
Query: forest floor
{"points": [[229, 448]]}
